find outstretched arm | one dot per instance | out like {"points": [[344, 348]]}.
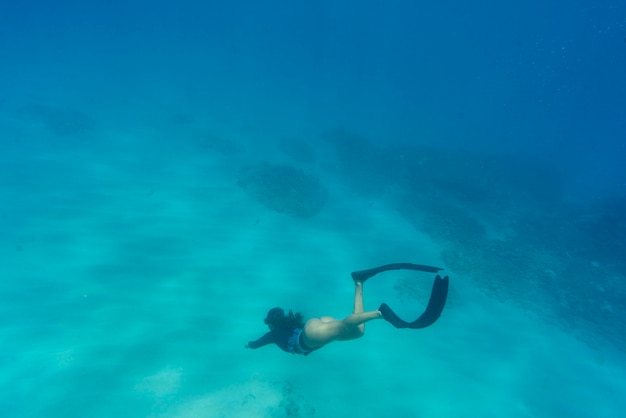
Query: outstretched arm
{"points": [[264, 340]]}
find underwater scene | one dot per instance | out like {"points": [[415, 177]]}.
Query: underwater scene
{"points": [[172, 173]]}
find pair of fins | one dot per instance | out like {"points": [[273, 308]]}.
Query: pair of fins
{"points": [[436, 303]]}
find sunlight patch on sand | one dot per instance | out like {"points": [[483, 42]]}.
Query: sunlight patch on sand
{"points": [[254, 398], [164, 383]]}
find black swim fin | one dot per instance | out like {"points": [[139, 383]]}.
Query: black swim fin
{"points": [[363, 275], [438, 297]]}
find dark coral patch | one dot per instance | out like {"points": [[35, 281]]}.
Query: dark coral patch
{"points": [[284, 189], [61, 121]]}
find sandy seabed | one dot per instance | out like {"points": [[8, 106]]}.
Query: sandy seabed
{"points": [[136, 299]]}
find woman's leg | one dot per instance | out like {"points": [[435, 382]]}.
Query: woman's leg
{"points": [[358, 303], [318, 332]]}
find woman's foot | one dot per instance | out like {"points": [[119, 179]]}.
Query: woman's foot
{"points": [[360, 276]]}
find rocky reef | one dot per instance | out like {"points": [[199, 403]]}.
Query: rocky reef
{"points": [[284, 189]]}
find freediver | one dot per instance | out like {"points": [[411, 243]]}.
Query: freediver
{"points": [[292, 334]]}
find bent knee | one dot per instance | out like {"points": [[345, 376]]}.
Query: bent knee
{"points": [[354, 333]]}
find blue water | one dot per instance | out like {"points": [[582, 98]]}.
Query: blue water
{"points": [[169, 171]]}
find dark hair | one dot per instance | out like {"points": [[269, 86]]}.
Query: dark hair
{"points": [[277, 318]]}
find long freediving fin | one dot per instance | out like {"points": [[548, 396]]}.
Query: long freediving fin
{"points": [[363, 275], [436, 303]]}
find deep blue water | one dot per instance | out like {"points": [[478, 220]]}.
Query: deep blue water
{"points": [[495, 129]]}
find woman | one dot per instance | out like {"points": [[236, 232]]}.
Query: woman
{"points": [[291, 334]]}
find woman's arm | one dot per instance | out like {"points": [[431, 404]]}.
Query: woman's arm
{"points": [[264, 340]]}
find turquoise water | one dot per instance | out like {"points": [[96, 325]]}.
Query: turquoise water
{"points": [[169, 172]]}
